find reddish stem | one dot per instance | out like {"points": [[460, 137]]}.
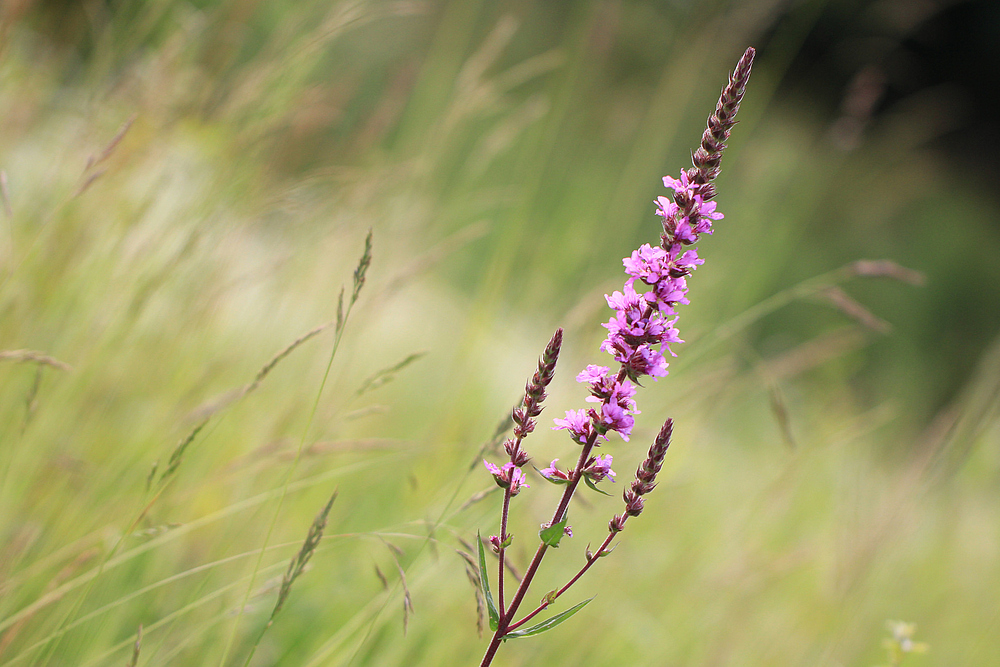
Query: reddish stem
{"points": [[505, 615], [529, 574], [543, 606], [503, 538]]}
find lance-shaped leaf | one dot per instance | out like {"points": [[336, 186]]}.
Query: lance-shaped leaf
{"points": [[551, 535], [546, 624], [589, 482], [484, 582]]}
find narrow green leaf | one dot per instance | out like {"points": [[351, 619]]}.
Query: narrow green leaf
{"points": [[589, 482], [551, 535], [484, 581], [546, 624]]}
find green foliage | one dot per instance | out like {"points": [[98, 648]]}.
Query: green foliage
{"points": [[552, 535], [484, 583]]}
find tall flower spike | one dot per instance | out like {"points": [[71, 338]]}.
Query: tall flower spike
{"points": [[641, 329]]}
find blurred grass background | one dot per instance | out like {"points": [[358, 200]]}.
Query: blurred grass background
{"points": [[832, 467]]}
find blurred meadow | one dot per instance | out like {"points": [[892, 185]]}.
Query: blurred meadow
{"points": [[187, 185]]}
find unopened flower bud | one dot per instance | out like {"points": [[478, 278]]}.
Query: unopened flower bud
{"points": [[509, 446], [642, 488], [633, 503]]}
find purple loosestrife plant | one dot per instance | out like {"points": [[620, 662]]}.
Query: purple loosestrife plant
{"points": [[640, 332]]}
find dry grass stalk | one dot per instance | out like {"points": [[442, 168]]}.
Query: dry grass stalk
{"points": [[225, 400], [397, 553], [33, 356], [886, 268], [492, 445], [407, 600], [381, 578], [31, 399], [113, 144], [5, 195], [472, 574], [298, 564], [178, 454], [134, 660], [843, 302], [476, 497], [387, 374], [92, 161]]}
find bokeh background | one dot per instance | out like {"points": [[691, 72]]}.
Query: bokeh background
{"points": [[188, 184]]}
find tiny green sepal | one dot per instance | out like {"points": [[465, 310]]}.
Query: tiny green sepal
{"points": [[551, 535], [484, 581], [506, 543], [589, 482], [549, 598], [547, 624]]}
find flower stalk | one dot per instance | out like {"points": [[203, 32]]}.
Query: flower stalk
{"points": [[642, 328]]}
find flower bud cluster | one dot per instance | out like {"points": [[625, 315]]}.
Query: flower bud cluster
{"points": [[510, 476], [534, 390], [645, 477], [708, 157]]}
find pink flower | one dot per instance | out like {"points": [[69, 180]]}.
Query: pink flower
{"points": [[616, 418], [554, 474], [598, 468], [593, 374], [647, 361], [578, 423], [679, 185], [666, 208], [609, 389], [684, 233], [706, 209], [508, 476], [629, 302], [670, 291], [648, 264], [686, 260]]}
